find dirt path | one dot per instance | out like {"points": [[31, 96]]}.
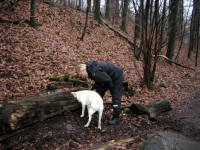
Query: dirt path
{"points": [[187, 115]]}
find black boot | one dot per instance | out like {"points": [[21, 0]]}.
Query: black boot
{"points": [[114, 120], [115, 117]]}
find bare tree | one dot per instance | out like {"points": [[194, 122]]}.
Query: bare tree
{"points": [[32, 12], [137, 28], [183, 29], [194, 27], [79, 4], [180, 20], [116, 11], [172, 28], [97, 11], [124, 15], [198, 37], [151, 36], [108, 9], [86, 20]]}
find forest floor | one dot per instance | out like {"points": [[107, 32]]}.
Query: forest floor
{"points": [[68, 132], [28, 57]]}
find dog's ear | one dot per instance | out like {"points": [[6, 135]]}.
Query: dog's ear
{"points": [[74, 94]]}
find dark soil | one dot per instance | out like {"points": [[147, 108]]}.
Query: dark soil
{"points": [[187, 116], [68, 132]]}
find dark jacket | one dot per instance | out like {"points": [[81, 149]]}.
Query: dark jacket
{"points": [[103, 72]]}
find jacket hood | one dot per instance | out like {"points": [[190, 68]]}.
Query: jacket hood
{"points": [[91, 63]]}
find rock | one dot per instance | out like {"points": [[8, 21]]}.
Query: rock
{"points": [[69, 127], [171, 141]]}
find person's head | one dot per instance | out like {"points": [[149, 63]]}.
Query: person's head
{"points": [[82, 70]]}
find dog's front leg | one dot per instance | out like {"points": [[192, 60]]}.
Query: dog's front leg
{"points": [[90, 112], [83, 110]]}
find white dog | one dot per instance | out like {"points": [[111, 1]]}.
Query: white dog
{"points": [[93, 101]]}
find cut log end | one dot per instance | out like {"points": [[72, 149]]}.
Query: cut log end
{"points": [[153, 110]]}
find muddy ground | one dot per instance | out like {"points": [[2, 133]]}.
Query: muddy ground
{"points": [[68, 132]]}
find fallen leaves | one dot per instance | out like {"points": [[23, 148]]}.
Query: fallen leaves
{"points": [[28, 57]]}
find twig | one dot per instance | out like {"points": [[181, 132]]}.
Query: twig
{"points": [[12, 28]]}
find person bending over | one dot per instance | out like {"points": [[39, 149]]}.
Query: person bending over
{"points": [[107, 76]]}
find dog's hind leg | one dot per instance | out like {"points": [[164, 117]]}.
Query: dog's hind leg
{"points": [[100, 116], [83, 110], [90, 113]]}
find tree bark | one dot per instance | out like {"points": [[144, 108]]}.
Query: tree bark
{"points": [[116, 11], [32, 12], [97, 11], [172, 28], [108, 8], [23, 113], [194, 27], [86, 20], [124, 15]]}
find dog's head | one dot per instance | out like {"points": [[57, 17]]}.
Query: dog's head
{"points": [[74, 94]]}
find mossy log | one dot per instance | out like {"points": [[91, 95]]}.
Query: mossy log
{"points": [[25, 112], [153, 110], [67, 81], [127, 89], [68, 84]]}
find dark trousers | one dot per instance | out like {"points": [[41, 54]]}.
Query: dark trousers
{"points": [[116, 92]]}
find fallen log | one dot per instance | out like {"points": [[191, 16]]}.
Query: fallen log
{"points": [[153, 110], [121, 144], [175, 62], [69, 84], [121, 35], [28, 111]]}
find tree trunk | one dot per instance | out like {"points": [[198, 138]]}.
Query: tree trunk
{"points": [[108, 6], [153, 110], [163, 24], [172, 28], [147, 47], [124, 15], [197, 36], [116, 11], [32, 18], [194, 28], [86, 20], [23, 113], [137, 31], [191, 44], [79, 5], [180, 18], [97, 15]]}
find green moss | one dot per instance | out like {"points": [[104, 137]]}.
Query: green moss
{"points": [[54, 78]]}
